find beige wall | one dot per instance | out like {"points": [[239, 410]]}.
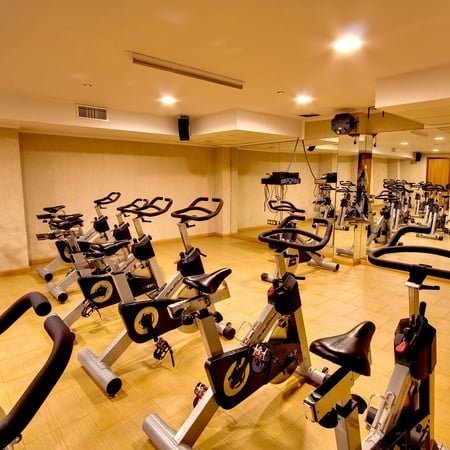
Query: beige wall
{"points": [[13, 237], [44, 170], [76, 171], [252, 166]]}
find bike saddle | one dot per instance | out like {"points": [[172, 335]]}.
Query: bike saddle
{"points": [[207, 283], [47, 216], [53, 209], [108, 248], [66, 222], [349, 350]]}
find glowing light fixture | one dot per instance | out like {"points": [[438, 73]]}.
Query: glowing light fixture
{"points": [[169, 66], [167, 100], [435, 150], [403, 143], [438, 138], [347, 44], [303, 99]]}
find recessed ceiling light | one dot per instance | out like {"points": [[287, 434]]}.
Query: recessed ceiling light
{"points": [[167, 100], [87, 85], [303, 99], [403, 143], [347, 44], [439, 138], [435, 150]]}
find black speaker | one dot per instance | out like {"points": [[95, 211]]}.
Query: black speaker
{"points": [[183, 128], [418, 156], [344, 123]]}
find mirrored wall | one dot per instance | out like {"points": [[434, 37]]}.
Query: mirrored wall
{"points": [[361, 164]]}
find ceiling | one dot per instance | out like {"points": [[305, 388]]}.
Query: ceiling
{"points": [[58, 54]]}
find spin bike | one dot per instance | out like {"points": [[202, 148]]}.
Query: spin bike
{"points": [[20, 415], [70, 240], [55, 218], [345, 205], [294, 256], [103, 283], [274, 348], [148, 318], [434, 215], [402, 417]]}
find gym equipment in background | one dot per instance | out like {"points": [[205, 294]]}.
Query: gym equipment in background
{"points": [[295, 256], [434, 214], [109, 281], [69, 227]]}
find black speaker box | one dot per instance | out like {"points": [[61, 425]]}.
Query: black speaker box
{"points": [[418, 156], [183, 128]]}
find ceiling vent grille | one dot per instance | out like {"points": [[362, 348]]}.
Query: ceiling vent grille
{"points": [[92, 112]]}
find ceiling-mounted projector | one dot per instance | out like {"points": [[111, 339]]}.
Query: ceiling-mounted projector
{"points": [[344, 123]]}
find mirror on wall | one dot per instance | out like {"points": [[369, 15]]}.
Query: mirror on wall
{"points": [[353, 196], [399, 157], [355, 159], [262, 199]]}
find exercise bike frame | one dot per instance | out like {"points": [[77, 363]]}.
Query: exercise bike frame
{"points": [[146, 319], [273, 349], [404, 417]]}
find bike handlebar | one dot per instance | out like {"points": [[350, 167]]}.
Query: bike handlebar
{"points": [[198, 205], [284, 206], [34, 300], [141, 206], [134, 205], [275, 236], [392, 247], [112, 197], [38, 390]]}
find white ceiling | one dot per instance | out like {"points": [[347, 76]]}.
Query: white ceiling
{"points": [[57, 54]]}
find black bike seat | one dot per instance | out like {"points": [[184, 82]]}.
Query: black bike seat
{"points": [[74, 216], [108, 248], [207, 283], [349, 350], [66, 224], [53, 209]]}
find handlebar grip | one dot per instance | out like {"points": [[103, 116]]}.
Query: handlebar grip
{"points": [[108, 199], [274, 237], [36, 300], [40, 387], [284, 223], [133, 205], [186, 214], [407, 229], [391, 247], [284, 205], [141, 211], [375, 258]]}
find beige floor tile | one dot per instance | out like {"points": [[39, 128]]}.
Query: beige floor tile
{"points": [[78, 415]]}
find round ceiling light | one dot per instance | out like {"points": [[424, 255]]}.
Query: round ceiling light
{"points": [[347, 44]]}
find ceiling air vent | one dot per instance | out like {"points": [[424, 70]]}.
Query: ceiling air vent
{"points": [[92, 112]]}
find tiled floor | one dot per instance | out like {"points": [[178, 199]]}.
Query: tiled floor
{"points": [[78, 415]]}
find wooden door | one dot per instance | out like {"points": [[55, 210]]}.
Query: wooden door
{"points": [[438, 171]]}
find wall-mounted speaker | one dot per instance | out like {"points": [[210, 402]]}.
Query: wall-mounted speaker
{"points": [[417, 156], [183, 128], [344, 123]]}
